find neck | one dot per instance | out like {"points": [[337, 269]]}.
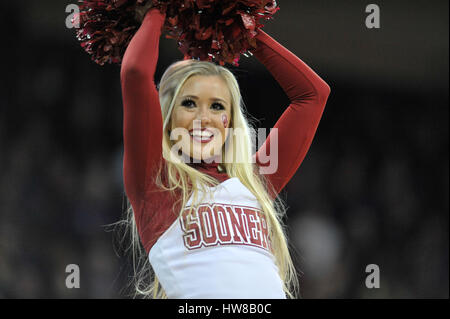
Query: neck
{"points": [[212, 165]]}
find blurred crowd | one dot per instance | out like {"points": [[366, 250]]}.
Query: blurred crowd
{"points": [[372, 190]]}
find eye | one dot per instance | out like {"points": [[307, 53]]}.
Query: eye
{"points": [[187, 102], [218, 106]]}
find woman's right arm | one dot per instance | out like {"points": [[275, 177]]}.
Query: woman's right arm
{"points": [[143, 124]]}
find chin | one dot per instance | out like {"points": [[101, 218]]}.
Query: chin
{"points": [[206, 156]]}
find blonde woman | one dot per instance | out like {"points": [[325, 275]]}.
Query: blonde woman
{"points": [[210, 226]]}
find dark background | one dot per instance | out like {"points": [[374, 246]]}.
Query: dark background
{"points": [[372, 190]]}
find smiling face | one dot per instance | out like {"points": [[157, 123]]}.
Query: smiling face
{"points": [[200, 116]]}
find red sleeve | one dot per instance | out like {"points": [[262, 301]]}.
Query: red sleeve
{"points": [[307, 93], [143, 123]]}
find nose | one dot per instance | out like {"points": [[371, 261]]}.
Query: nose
{"points": [[203, 116]]}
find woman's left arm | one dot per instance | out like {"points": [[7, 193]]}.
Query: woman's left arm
{"points": [[296, 127]]}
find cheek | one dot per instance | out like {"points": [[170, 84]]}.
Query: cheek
{"points": [[225, 120], [179, 119]]}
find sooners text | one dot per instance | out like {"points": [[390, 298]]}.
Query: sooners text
{"points": [[211, 225]]}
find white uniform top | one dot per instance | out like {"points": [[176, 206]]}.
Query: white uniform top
{"points": [[223, 252]]}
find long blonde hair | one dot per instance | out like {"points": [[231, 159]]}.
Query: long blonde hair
{"points": [[188, 180]]}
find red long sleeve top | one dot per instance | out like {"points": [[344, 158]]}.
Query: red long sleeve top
{"points": [[143, 123]]}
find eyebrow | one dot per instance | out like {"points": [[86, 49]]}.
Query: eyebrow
{"points": [[212, 99]]}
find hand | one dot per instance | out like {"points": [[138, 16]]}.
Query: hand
{"points": [[141, 10]]}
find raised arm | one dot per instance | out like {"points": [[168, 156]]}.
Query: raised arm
{"points": [[143, 124], [296, 127]]}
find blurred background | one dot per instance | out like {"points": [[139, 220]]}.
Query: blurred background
{"points": [[372, 190]]}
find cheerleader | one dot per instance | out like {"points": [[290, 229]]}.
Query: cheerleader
{"points": [[211, 227]]}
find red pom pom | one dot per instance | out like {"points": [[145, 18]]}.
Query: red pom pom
{"points": [[106, 28], [211, 30], [217, 30]]}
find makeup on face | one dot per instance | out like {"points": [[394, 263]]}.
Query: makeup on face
{"points": [[225, 120], [204, 99]]}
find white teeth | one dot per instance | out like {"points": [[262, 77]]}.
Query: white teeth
{"points": [[202, 137], [202, 134]]}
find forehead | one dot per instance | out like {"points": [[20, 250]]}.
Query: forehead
{"points": [[206, 87]]}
